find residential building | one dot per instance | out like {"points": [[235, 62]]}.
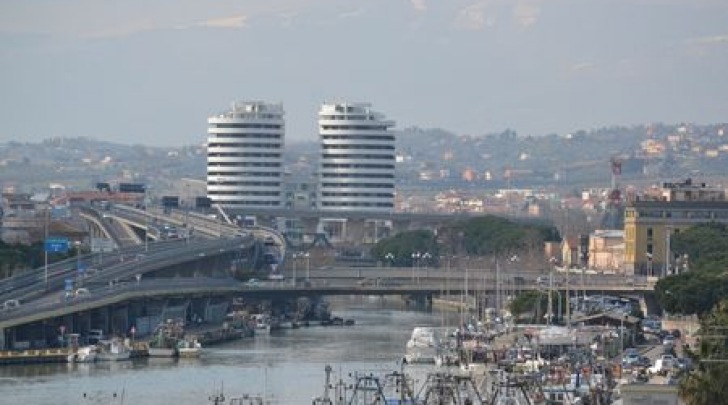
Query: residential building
{"points": [[649, 225], [606, 250], [245, 156], [356, 170]]}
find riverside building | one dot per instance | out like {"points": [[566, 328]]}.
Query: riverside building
{"points": [[356, 169], [245, 156], [650, 223]]}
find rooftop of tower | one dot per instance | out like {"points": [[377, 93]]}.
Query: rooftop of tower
{"points": [[253, 109]]}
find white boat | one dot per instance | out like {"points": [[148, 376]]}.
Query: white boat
{"points": [[189, 348], [113, 350], [80, 354], [86, 354], [423, 346], [261, 324]]}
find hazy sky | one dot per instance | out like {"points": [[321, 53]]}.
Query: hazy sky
{"points": [[151, 71]]}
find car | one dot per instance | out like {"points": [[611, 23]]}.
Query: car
{"points": [[676, 333], [644, 361], [81, 292], [631, 359], [669, 341], [367, 282], [684, 364], [253, 282], [11, 304]]}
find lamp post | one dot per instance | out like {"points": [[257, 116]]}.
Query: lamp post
{"points": [[666, 267], [426, 257], [649, 263], [551, 289], [293, 279], [45, 248], [621, 333], [79, 272], [415, 259], [308, 266], [390, 259], [146, 221]]}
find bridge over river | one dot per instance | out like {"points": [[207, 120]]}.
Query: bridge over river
{"points": [[191, 278]]}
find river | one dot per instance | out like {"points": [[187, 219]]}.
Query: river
{"points": [[287, 366]]}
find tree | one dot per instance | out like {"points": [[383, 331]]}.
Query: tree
{"points": [[398, 249], [480, 236], [707, 383], [529, 301], [492, 235], [706, 283]]}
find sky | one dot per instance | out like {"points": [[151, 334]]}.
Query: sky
{"points": [[152, 71]]}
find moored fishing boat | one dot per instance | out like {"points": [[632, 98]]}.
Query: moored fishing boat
{"points": [[166, 339], [86, 354], [113, 350], [80, 354], [189, 348], [261, 324]]}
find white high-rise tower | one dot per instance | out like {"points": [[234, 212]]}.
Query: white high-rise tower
{"points": [[245, 156], [356, 171]]}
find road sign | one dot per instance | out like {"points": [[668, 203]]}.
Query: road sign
{"points": [[62, 328], [56, 245], [81, 267], [69, 284], [102, 245]]}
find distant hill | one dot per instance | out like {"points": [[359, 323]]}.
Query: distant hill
{"points": [[432, 158]]}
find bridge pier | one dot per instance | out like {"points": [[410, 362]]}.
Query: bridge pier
{"points": [[420, 301], [120, 320]]}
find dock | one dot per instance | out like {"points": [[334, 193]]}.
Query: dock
{"points": [[59, 355]]}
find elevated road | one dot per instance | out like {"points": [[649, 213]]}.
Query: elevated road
{"points": [[102, 295]]}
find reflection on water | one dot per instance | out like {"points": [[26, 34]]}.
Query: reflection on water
{"points": [[288, 365]]}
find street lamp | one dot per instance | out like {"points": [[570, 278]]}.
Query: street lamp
{"points": [[296, 256], [552, 261], [649, 263], [79, 271], [308, 266], [426, 257], [390, 259], [293, 279], [415, 259], [621, 332], [146, 221]]}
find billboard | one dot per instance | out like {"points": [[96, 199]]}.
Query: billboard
{"points": [[170, 201], [102, 245], [132, 188], [56, 245], [203, 202]]}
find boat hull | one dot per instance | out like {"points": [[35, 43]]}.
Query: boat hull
{"points": [[189, 352], [162, 352], [113, 356]]}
